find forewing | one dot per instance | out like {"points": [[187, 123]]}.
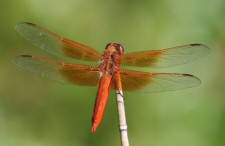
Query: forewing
{"points": [[167, 57], [58, 71], [156, 82], [56, 44]]}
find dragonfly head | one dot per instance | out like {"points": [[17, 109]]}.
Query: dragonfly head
{"points": [[115, 47]]}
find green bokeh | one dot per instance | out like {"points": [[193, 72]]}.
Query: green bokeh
{"points": [[38, 112]]}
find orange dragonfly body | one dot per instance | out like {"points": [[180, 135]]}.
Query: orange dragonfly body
{"points": [[108, 74]]}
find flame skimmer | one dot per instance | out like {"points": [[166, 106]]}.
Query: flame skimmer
{"points": [[108, 74]]}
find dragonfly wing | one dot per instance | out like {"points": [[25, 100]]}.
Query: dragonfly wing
{"points": [[58, 71], [156, 82], [56, 44], [167, 57]]}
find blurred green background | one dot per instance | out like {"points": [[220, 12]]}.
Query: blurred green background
{"points": [[38, 112]]}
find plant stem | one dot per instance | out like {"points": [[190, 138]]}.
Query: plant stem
{"points": [[122, 119]]}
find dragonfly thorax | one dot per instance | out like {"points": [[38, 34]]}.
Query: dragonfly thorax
{"points": [[112, 58]]}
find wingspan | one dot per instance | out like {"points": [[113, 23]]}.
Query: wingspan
{"points": [[156, 82], [167, 57], [56, 44], [58, 71]]}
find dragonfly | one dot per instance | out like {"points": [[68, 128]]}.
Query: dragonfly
{"points": [[108, 75]]}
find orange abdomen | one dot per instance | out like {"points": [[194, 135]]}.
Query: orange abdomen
{"points": [[101, 100]]}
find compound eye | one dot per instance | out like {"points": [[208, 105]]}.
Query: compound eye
{"points": [[108, 45], [121, 49]]}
